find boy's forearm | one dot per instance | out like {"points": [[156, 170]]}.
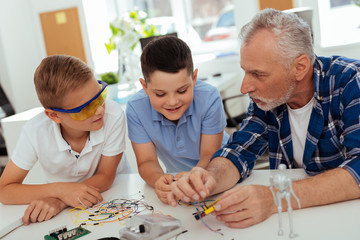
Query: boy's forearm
{"points": [[204, 161], [25, 193], [101, 181], [150, 173]]}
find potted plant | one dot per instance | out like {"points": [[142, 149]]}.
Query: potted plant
{"points": [[112, 79], [126, 32]]}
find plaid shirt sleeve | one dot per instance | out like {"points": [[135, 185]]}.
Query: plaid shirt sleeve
{"points": [[247, 144], [345, 128]]}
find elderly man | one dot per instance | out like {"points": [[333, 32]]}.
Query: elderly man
{"points": [[305, 109]]}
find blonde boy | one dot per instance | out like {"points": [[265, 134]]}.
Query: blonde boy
{"points": [[78, 142]]}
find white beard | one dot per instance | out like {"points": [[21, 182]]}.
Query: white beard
{"points": [[268, 104]]}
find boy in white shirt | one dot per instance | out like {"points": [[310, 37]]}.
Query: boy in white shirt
{"points": [[78, 142]]}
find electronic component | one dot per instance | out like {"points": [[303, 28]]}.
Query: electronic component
{"points": [[206, 210], [64, 234], [151, 226]]}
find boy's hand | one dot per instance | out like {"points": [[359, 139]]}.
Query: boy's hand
{"points": [[192, 186], [79, 194], [162, 187], [42, 210]]}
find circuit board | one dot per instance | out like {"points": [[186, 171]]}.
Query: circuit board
{"points": [[64, 234]]}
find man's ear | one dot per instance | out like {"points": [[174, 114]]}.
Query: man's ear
{"points": [[195, 77], [143, 84], [301, 66], [53, 115]]}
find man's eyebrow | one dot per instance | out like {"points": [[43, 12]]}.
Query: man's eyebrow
{"points": [[256, 72]]}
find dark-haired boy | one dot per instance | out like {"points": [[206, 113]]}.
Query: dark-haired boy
{"points": [[175, 117]]}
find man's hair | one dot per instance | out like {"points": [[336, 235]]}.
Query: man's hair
{"points": [[293, 34], [167, 54], [57, 75]]}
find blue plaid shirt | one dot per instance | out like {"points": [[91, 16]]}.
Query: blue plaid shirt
{"points": [[333, 136]]}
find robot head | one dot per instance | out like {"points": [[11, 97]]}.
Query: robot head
{"points": [[282, 166]]}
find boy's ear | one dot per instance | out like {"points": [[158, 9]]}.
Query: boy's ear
{"points": [[143, 84], [195, 76], [52, 115]]}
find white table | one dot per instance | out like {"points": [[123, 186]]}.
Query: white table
{"points": [[336, 221]]}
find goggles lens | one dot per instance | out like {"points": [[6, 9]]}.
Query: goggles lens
{"points": [[88, 109], [91, 108]]}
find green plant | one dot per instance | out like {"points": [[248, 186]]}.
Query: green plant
{"points": [[126, 32], [110, 78], [128, 29]]}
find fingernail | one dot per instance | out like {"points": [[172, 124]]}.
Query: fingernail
{"points": [[186, 199], [173, 204], [217, 207], [196, 197], [203, 194]]}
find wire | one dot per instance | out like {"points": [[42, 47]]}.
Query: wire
{"points": [[202, 220], [115, 210]]}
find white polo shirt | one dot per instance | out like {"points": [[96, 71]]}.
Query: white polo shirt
{"points": [[41, 140]]}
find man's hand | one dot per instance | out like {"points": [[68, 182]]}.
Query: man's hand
{"points": [[42, 210], [79, 194], [192, 186], [244, 206]]}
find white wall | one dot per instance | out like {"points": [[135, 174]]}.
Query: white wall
{"points": [[18, 54], [245, 10], [22, 46]]}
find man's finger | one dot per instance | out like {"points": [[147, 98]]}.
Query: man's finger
{"points": [[178, 193], [198, 180], [236, 197], [186, 190]]}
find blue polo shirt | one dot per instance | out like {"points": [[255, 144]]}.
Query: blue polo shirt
{"points": [[177, 146]]}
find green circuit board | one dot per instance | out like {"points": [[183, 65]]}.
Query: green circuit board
{"points": [[64, 234]]}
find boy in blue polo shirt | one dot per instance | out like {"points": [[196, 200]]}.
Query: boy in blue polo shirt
{"points": [[174, 117]]}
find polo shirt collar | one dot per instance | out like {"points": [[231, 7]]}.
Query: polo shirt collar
{"points": [[95, 137]]}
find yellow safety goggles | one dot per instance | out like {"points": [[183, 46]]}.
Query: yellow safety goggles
{"points": [[89, 108]]}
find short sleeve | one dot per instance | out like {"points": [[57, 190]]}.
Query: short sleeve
{"points": [[214, 120], [24, 155], [115, 134], [136, 130]]}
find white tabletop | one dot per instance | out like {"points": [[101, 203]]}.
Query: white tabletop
{"points": [[336, 221]]}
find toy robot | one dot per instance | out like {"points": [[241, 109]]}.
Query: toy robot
{"points": [[284, 186]]}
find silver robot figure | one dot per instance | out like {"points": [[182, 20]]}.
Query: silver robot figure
{"points": [[285, 190]]}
